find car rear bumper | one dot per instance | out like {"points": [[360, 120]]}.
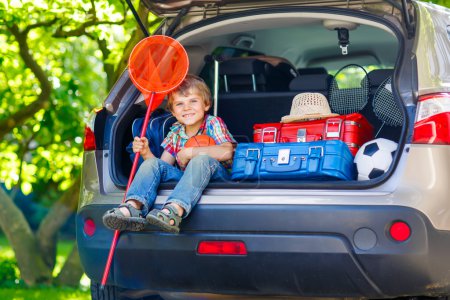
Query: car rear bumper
{"points": [[305, 250]]}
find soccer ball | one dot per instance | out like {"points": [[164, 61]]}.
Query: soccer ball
{"points": [[374, 158]]}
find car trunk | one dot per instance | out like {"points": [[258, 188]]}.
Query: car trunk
{"points": [[301, 33]]}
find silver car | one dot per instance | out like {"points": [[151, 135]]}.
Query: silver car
{"points": [[385, 237]]}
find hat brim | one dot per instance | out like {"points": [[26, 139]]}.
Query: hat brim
{"points": [[290, 119]]}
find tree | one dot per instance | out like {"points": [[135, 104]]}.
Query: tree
{"points": [[57, 61], [445, 3]]}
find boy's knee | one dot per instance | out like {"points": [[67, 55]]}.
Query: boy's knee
{"points": [[203, 160], [151, 162]]}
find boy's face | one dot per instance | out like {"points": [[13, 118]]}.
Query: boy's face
{"points": [[189, 110]]}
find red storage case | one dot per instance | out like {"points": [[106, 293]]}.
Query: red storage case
{"points": [[353, 129]]}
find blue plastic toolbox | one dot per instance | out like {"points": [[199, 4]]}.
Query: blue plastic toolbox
{"points": [[319, 160]]}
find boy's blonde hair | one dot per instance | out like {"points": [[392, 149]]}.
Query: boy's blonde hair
{"points": [[191, 82]]}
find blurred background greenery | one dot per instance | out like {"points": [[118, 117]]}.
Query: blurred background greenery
{"points": [[445, 3], [13, 288], [58, 60]]}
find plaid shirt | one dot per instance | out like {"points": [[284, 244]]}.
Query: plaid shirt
{"points": [[212, 126]]}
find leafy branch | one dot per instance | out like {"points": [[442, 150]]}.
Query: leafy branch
{"points": [[82, 30], [19, 117]]}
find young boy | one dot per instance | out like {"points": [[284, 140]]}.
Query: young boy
{"points": [[198, 165]]}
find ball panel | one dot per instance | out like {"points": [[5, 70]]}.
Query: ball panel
{"points": [[371, 149], [363, 177], [387, 145], [365, 168], [382, 160], [375, 173], [202, 140]]}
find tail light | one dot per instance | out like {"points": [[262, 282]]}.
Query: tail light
{"points": [[89, 136], [89, 227], [399, 231], [89, 139], [433, 120], [222, 248]]}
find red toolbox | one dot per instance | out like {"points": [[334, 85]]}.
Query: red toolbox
{"points": [[353, 129]]}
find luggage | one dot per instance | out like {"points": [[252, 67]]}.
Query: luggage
{"points": [[353, 129], [157, 129], [320, 160]]}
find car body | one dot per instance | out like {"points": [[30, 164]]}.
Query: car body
{"points": [[383, 238]]}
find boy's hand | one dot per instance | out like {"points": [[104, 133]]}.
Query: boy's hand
{"points": [[184, 156], [140, 145]]}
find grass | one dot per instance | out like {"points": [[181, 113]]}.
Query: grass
{"points": [[20, 292], [46, 293]]}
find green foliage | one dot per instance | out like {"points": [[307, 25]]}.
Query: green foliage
{"points": [[8, 262], [9, 273], [44, 155], [445, 3]]}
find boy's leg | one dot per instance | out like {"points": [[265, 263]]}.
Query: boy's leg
{"points": [[199, 172], [141, 195], [145, 184]]}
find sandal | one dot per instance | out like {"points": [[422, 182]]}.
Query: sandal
{"points": [[163, 219], [116, 220]]}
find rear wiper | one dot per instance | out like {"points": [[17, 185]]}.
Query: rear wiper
{"points": [[136, 16], [177, 20], [169, 30]]}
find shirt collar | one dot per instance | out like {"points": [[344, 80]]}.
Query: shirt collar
{"points": [[201, 130]]}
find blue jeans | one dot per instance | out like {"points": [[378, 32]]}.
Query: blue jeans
{"points": [[199, 172]]}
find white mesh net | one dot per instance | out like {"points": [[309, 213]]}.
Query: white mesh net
{"points": [[349, 90], [385, 107]]}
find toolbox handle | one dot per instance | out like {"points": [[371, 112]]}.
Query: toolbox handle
{"points": [[269, 130], [328, 132], [273, 166]]}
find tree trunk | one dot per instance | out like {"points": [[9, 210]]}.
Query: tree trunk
{"points": [[33, 269], [54, 220], [72, 271]]}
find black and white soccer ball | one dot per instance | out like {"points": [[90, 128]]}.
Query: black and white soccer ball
{"points": [[374, 158]]}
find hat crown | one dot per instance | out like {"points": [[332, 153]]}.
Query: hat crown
{"points": [[310, 103]]}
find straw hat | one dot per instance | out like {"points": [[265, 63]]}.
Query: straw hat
{"points": [[308, 106]]}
